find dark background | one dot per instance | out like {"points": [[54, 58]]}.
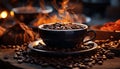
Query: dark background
{"points": [[93, 8]]}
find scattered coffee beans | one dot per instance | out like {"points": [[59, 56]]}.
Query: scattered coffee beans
{"points": [[71, 62], [24, 55]]}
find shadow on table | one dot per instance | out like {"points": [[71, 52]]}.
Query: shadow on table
{"points": [[7, 65]]}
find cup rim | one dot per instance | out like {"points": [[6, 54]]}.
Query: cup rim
{"points": [[40, 27], [15, 10], [48, 9]]}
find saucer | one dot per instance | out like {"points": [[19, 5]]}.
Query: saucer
{"points": [[32, 48]]}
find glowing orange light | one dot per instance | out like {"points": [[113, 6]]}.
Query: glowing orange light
{"points": [[3, 14], [63, 15], [12, 13]]}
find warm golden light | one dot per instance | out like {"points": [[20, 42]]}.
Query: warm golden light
{"points": [[3, 14], [63, 15], [12, 13]]}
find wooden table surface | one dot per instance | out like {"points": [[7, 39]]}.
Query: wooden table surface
{"points": [[108, 64]]}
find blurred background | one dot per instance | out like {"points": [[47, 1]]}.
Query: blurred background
{"points": [[97, 11]]}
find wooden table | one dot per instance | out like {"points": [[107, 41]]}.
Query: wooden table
{"points": [[11, 63]]}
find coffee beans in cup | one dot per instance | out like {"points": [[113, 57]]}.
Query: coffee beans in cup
{"points": [[62, 26]]}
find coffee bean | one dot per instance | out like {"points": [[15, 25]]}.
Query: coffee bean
{"points": [[75, 68], [13, 46], [20, 50], [86, 60], [17, 49], [58, 67], [75, 65], [90, 64], [70, 66], [24, 53], [9, 46], [100, 57], [25, 44], [100, 62], [31, 61], [27, 60], [93, 62], [110, 55], [44, 64], [15, 56], [18, 53], [17, 46], [104, 57], [20, 57], [20, 61], [82, 66]]}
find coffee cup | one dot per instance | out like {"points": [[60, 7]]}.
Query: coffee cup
{"points": [[65, 38]]}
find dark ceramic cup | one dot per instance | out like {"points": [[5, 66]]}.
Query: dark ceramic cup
{"points": [[26, 14], [65, 38]]}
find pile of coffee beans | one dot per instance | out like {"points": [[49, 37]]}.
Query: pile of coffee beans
{"points": [[108, 43], [80, 62], [61, 26], [24, 55], [13, 46]]}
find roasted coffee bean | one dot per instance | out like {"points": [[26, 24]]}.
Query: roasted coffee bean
{"points": [[17, 49], [58, 67], [46, 26], [110, 55], [90, 64], [24, 53], [92, 57], [100, 62], [31, 61], [100, 57], [104, 57], [82, 66], [70, 66], [87, 60], [62, 27], [75, 68], [20, 61], [27, 60], [85, 63], [25, 44], [13, 46], [44, 64], [18, 53], [75, 65], [20, 57], [20, 50], [17, 46], [15, 56], [9, 46], [93, 62]]}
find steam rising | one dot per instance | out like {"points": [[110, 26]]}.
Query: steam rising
{"points": [[62, 15]]}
